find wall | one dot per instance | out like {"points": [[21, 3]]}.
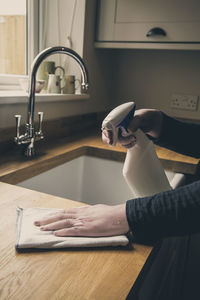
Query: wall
{"points": [[150, 77]]}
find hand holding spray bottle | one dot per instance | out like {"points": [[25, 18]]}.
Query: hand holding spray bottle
{"points": [[142, 169]]}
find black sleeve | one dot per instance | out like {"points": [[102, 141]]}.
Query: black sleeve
{"points": [[171, 213], [180, 136]]}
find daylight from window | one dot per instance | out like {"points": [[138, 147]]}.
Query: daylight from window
{"points": [[13, 37]]}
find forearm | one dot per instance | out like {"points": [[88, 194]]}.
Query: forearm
{"points": [[180, 136], [170, 213]]}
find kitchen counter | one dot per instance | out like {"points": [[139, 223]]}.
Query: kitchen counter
{"points": [[61, 274], [67, 274], [14, 167]]}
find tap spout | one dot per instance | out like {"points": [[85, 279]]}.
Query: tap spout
{"points": [[35, 65], [30, 135]]}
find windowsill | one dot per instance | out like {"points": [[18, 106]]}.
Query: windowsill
{"points": [[15, 97]]}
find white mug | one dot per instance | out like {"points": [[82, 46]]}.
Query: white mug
{"points": [[70, 84], [54, 84]]}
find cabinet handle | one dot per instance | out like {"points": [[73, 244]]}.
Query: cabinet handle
{"points": [[156, 31]]}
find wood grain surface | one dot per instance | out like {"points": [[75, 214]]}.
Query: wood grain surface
{"points": [[14, 167], [81, 274], [67, 274]]}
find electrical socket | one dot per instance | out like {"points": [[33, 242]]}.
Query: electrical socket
{"points": [[187, 102]]}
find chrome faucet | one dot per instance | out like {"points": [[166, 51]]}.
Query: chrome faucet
{"points": [[30, 135]]}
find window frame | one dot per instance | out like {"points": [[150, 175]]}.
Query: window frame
{"points": [[33, 31], [11, 81]]}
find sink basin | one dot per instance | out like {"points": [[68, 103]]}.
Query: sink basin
{"points": [[89, 179]]}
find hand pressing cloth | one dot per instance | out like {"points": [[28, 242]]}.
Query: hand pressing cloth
{"points": [[30, 236]]}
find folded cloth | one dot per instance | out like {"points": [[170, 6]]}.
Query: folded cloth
{"points": [[30, 236]]}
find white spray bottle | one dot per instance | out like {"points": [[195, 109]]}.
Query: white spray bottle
{"points": [[142, 169]]}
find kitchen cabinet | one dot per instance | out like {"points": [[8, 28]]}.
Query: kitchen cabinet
{"points": [[172, 24]]}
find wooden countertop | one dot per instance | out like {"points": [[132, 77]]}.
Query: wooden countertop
{"points": [[82, 274], [14, 167], [67, 274]]}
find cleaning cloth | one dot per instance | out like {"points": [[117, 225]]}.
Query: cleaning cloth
{"points": [[29, 236]]}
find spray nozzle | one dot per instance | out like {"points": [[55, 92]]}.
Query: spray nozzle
{"points": [[118, 119]]}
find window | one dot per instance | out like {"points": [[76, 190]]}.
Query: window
{"points": [[19, 23], [13, 37], [29, 26]]}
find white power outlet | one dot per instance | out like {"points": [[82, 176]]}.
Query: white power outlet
{"points": [[187, 102]]}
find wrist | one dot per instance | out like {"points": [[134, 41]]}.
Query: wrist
{"points": [[122, 217]]}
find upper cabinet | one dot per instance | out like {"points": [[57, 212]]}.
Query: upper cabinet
{"points": [[171, 24]]}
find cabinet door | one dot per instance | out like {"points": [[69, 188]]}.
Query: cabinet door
{"points": [[133, 20]]}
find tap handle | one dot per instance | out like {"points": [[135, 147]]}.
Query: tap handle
{"points": [[40, 116], [18, 121]]}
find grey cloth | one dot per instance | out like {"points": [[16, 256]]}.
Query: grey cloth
{"points": [[29, 236]]}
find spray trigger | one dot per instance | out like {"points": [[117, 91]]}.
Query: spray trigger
{"points": [[118, 120], [124, 124]]}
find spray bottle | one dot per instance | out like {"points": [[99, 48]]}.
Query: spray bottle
{"points": [[142, 169]]}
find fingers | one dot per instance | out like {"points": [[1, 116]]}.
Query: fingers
{"points": [[76, 230], [107, 137], [83, 229], [53, 218], [129, 145], [60, 225], [70, 227], [127, 140], [61, 215], [91, 221], [124, 133]]}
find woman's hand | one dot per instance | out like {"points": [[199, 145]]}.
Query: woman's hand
{"points": [[148, 120], [126, 139], [97, 220]]}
